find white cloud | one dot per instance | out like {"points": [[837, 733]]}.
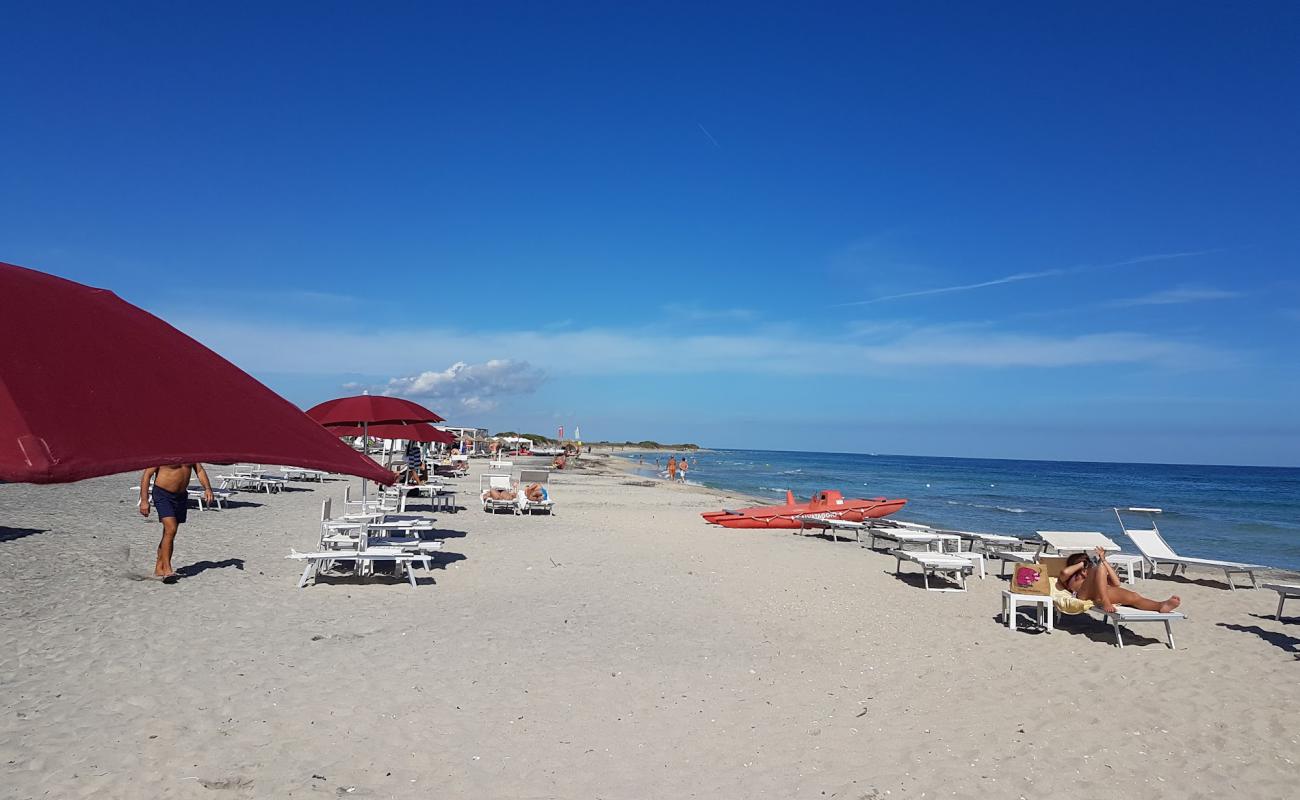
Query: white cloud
{"points": [[475, 387], [597, 351], [1024, 276], [697, 313], [1176, 296]]}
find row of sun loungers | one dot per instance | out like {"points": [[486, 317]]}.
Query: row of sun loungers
{"points": [[953, 556]]}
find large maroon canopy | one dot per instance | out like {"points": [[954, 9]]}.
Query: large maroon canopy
{"points": [[91, 385], [417, 432], [373, 409]]}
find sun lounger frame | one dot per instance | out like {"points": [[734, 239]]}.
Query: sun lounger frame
{"points": [[935, 563], [1128, 616], [1285, 591], [1157, 551], [314, 560]]}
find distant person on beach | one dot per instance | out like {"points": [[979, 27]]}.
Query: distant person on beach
{"points": [[413, 462], [672, 468], [683, 465], [171, 497], [1090, 577]]}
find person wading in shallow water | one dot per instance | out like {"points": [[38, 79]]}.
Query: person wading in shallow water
{"points": [[171, 497]]}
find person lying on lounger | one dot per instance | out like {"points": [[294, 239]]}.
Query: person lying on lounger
{"points": [[502, 494], [1090, 577], [534, 492]]}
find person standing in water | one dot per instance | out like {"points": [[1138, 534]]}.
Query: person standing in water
{"points": [[683, 465], [672, 468], [171, 497]]}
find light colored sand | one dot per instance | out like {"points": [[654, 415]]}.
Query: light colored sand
{"points": [[621, 649]]}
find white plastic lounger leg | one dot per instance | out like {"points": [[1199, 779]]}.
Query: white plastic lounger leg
{"points": [[1281, 600], [410, 573], [1169, 632], [306, 572], [1231, 584], [1119, 638]]}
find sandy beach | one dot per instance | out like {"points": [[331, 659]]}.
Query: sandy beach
{"points": [[619, 649]]}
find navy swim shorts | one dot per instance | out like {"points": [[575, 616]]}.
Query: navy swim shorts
{"points": [[171, 504]]}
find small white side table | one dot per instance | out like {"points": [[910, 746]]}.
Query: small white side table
{"points": [[1127, 561], [1011, 600]]}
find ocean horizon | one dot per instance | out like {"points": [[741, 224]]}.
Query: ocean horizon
{"points": [[1227, 512]]}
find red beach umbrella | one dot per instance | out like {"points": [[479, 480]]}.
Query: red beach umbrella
{"points": [[92, 385], [370, 409], [414, 432]]}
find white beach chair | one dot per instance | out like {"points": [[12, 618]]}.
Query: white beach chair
{"points": [[1157, 551], [384, 503], [539, 476], [931, 563], [988, 541], [1128, 616], [1067, 542], [486, 482], [337, 533], [400, 558], [1285, 592], [835, 526]]}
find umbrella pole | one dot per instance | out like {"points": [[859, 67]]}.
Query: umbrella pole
{"points": [[365, 446]]}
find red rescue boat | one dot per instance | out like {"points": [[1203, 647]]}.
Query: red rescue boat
{"points": [[828, 503]]}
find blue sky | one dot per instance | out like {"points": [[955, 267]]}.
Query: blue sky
{"points": [[1002, 230]]}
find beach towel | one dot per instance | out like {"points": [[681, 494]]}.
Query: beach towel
{"points": [[1067, 603]]}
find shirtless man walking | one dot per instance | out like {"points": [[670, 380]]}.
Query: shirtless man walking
{"points": [[171, 498]]}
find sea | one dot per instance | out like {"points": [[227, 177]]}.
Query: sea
{"points": [[1249, 514]]}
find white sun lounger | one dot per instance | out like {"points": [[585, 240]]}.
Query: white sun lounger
{"points": [[531, 476], [835, 526], [956, 568], [304, 474], [1128, 616], [1067, 542], [1285, 592], [486, 482], [394, 554], [988, 541], [1157, 551], [929, 540]]}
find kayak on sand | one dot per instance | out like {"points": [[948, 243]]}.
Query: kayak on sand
{"points": [[828, 503]]}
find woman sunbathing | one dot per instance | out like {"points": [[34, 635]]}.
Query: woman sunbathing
{"points": [[1089, 577]]}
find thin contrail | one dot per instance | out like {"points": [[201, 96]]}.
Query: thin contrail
{"points": [[1026, 276], [711, 139]]}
